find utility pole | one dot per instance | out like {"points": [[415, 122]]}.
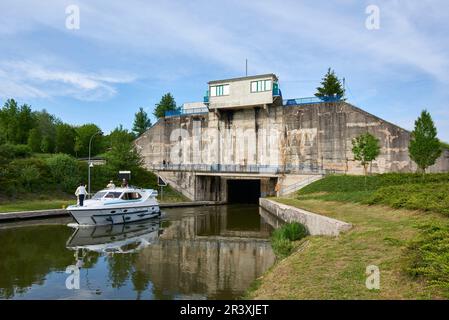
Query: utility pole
{"points": [[246, 67], [89, 164]]}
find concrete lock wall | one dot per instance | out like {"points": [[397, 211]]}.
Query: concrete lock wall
{"points": [[300, 137]]}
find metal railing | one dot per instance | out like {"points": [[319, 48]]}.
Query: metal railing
{"points": [[309, 100], [236, 168], [184, 112]]}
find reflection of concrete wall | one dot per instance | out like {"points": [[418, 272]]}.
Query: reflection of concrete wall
{"points": [[198, 255], [211, 267]]}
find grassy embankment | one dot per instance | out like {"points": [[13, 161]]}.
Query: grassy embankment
{"points": [[400, 224]]}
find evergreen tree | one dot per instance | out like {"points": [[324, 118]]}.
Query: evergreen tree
{"points": [[331, 87], [167, 103], [141, 122], [365, 149], [424, 148]]}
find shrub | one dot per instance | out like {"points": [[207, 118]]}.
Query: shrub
{"points": [[64, 170], [11, 151], [29, 175], [427, 197], [282, 238], [429, 256]]}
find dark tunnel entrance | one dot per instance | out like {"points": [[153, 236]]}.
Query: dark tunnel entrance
{"points": [[243, 191]]}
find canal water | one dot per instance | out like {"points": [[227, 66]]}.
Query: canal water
{"points": [[190, 253]]}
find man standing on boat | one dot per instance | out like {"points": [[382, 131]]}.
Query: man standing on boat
{"points": [[111, 185], [81, 194]]}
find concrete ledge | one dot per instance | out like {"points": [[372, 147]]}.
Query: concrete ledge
{"points": [[24, 215], [315, 223], [39, 214]]}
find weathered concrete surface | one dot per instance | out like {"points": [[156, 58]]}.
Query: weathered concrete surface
{"points": [[299, 139], [315, 223], [317, 136], [24, 215]]}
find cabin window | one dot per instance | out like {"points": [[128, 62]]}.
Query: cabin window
{"points": [[131, 196], [113, 195], [99, 195], [260, 85], [220, 90]]}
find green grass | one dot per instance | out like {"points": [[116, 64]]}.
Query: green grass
{"points": [[34, 205], [284, 240], [410, 191], [334, 267]]}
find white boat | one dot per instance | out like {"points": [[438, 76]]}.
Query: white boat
{"points": [[124, 238], [115, 206]]}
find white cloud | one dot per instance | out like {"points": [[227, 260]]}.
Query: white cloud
{"points": [[26, 79]]}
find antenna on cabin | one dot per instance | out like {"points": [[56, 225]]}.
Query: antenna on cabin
{"points": [[246, 67]]}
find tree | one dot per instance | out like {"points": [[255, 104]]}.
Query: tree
{"points": [[46, 124], [331, 87], [26, 121], [9, 126], [425, 147], [141, 122], [167, 103], [65, 139], [35, 140], [83, 135], [365, 149], [122, 155]]}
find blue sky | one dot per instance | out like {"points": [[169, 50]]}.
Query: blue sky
{"points": [[127, 54]]}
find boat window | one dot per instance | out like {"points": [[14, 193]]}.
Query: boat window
{"points": [[131, 196], [99, 195], [113, 195]]}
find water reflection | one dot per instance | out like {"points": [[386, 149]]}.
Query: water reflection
{"points": [[209, 252]]}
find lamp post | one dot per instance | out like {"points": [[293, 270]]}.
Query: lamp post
{"points": [[89, 162]]}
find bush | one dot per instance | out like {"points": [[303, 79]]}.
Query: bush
{"points": [[427, 197], [282, 238], [11, 151], [29, 175], [429, 256], [64, 170]]}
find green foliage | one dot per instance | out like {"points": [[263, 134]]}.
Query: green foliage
{"points": [[46, 124], [398, 190], [331, 86], [122, 155], [424, 148], [35, 140], [427, 197], [429, 256], [83, 135], [444, 145], [65, 139], [29, 175], [11, 151], [167, 103], [365, 149], [141, 122], [65, 171], [282, 238]]}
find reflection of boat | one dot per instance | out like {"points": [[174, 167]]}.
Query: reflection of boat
{"points": [[115, 206], [123, 238]]}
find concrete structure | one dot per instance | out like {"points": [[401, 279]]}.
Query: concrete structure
{"points": [[255, 136], [316, 224]]}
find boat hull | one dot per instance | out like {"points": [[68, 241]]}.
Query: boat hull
{"points": [[100, 216]]}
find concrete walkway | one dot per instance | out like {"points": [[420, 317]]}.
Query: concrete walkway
{"points": [[52, 213]]}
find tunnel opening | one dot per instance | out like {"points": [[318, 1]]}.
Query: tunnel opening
{"points": [[243, 191]]}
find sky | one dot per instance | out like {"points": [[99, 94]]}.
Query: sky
{"points": [[127, 54]]}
